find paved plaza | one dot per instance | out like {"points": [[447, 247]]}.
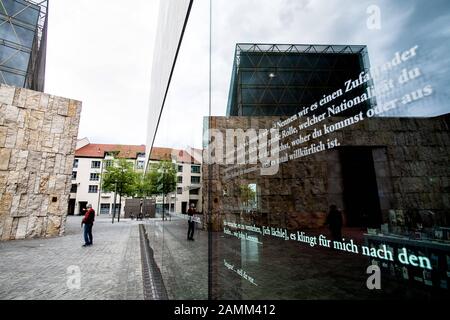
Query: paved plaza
{"points": [[44, 268], [110, 269]]}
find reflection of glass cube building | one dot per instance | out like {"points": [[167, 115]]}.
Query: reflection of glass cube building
{"points": [[281, 80], [23, 37]]}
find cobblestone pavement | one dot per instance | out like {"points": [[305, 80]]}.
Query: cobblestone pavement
{"points": [[40, 268], [183, 264]]}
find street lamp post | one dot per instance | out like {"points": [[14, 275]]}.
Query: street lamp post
{"points": [[120, 207], [115, 198], [163, 192], [164, 208]]}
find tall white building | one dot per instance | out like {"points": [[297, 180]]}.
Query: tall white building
{"points": [[91, 160]]}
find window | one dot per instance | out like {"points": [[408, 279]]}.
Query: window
{"points": [[74, 175], [180, 168], [95, 164], [179, 190], [73, 188], [194, 191], [140, 165], [94, 177], [195, 180], [93, 189], [75, 163], [180, 179], [112, 154], [108, 163], [195, 169], [104, 208]]}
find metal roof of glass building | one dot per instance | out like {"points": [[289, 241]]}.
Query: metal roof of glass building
{"points": [[282, 79]]}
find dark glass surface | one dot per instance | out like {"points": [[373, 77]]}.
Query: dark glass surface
{"points": [[268, 83]]}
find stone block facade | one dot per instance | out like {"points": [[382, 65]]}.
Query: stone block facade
{"points": [[410, 160], [38, 135]]}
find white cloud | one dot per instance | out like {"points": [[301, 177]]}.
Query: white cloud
{"points": [[100, 52]]}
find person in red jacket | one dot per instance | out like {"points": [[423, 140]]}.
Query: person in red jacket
{"points": [[88, 221], [191, 223]]}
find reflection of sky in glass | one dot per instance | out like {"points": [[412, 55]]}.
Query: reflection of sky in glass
{"points": [[249, 251], [21, 10], [14, 79], [404, 24], [24, 35], [24, 19]]}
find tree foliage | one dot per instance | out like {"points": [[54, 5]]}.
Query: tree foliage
{"points": [[122, 173], [143, 185], [248, 196], [162, 178]]}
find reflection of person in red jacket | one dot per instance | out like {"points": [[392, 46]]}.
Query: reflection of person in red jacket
{"points": [[191, 223], [88, 221]]}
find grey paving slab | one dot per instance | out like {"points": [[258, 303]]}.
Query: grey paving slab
{"points": [[47, 269]]}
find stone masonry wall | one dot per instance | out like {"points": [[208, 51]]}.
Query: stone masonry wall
{"points": [[38, 134]]}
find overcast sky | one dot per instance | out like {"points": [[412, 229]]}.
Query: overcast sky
{"points": [[100, 51]]}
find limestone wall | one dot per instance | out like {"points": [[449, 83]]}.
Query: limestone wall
{"points": [[38, 134]]}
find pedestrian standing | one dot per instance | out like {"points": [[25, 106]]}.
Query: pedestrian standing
{"points": [[141, 214], [88, 221], [334, 222], [191, 224]]}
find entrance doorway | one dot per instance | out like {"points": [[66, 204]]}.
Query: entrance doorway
{"points": [[82, 205], [71, 209], [183, 207], [361, 198]]}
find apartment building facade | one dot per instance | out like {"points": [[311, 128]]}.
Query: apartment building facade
{"points": [[189, 179], [90, 163]]}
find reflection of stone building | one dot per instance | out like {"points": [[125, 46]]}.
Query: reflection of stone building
{"points": [[382, 164], [38, 135]]}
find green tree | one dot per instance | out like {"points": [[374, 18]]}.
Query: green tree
{"points": [[162, 179], [121, 179], [248, 196], [143, 185]]}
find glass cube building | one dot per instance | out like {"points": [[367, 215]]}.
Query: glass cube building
{"points": [[282, 79], [23, 41]]}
